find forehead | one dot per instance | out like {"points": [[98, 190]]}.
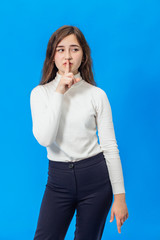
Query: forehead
{"points": [[69, 40]]}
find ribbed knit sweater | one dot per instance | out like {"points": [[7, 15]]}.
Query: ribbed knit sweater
{"points": [[66, 124]]}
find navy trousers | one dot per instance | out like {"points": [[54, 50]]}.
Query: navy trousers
{"points": [[83, 186]]}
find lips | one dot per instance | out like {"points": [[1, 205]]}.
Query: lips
{"points": [[69, 63]]}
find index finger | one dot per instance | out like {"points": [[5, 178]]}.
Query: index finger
{"points": [[67, 69], [118, 225]]}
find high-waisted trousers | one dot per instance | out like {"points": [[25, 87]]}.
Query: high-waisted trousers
{"points": [[83, 186]]}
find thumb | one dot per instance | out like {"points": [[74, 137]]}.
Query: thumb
{"points": [[112, 216], [77, 79]]}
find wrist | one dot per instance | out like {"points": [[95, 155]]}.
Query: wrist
{"points": [[59, 90], [119, 197]]}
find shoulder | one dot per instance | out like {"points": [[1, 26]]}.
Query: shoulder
{"points": [[44, 89], [99, 92], [100, 99], [37, 89], [38, 93], [99, 95], [96, 91]]}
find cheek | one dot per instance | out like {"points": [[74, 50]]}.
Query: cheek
{"points": [[58, 57], [78, 58]]}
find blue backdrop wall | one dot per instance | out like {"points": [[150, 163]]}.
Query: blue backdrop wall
{"points": [[124, 38]]}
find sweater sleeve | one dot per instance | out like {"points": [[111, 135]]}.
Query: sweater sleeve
{"points": [[108, 141], [45, 114]]}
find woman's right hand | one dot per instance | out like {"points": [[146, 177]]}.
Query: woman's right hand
{"points": [[67, 80]]}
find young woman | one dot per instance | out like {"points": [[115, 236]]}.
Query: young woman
{"points": [[67, 109]]}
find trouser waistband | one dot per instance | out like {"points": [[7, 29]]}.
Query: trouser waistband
{"points": [[78, 164]]}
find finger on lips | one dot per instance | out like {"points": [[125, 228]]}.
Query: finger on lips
{"points": [[67, 69]]}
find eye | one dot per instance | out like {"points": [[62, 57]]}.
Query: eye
{"points": [[59, 50], [76, 49]]}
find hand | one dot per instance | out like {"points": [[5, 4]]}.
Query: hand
{"points": [[67, 80], [119, 209]]}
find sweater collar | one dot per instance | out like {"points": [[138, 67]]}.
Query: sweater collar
{"points": [[78, 75]]}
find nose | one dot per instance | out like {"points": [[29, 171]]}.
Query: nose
{"points": [[68, 55]]}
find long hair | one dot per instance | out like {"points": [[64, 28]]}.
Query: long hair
{"points": [[49, 69]]}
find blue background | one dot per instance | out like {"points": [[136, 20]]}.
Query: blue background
{"points": [[124, 37]]}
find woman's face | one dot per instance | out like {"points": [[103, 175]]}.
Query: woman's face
{"points": [[68, 48]]}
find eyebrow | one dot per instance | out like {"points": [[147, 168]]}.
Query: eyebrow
{"points": [[73, 45]]}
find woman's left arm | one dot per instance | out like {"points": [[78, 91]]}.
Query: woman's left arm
{"points": [[110, 149]]}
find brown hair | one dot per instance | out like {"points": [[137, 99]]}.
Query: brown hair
{"points": [[49, 68]]}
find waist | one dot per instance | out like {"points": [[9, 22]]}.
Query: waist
{"points": [[78, 164]]}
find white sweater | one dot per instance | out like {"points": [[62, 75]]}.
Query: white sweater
{"points": [[66, 125]]}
